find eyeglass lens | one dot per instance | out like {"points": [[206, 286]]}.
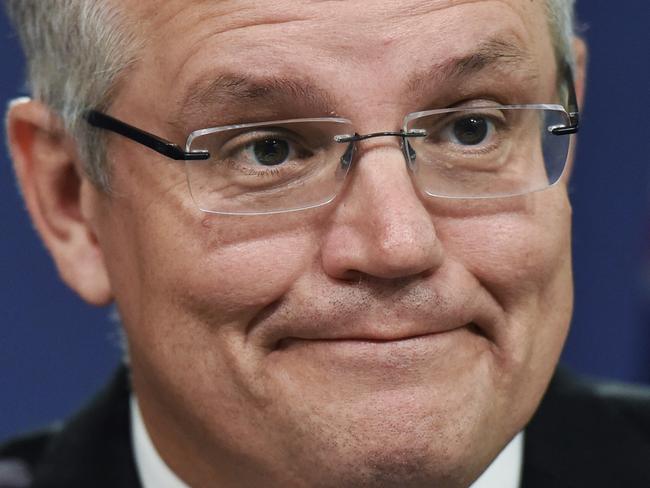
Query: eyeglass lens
{"points": [[479, 152], [489, 152]]}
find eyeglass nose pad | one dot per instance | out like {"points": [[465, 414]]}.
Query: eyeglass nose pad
{"points": [[409, 153], [348, 156]]}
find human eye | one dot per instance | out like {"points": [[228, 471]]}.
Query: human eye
{"points": [[468, 139], [471, 131], [265, 152], [269, 159], [482, 149], [474, 139]]}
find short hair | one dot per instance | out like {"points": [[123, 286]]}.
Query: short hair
{"points": [[77, 52], [561, 20]]}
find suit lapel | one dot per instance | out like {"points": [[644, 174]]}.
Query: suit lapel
{"points": [[94, 448], [577, 439]]}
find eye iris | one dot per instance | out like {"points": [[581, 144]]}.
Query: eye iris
{"points": [[271, 152], [471, 131]]}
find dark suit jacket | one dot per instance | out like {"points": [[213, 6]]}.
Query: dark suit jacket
{"points": [[582, 435]]}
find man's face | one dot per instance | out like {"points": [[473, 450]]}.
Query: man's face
{"points": [[385, 338]]}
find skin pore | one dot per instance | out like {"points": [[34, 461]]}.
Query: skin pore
{"points": [[387, 339]]}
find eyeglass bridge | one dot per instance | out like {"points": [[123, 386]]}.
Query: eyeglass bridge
{"points": [[362, 137], [409, 153]]}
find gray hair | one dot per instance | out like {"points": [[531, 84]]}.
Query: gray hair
{"points": [[561, 19], [78, 50]]}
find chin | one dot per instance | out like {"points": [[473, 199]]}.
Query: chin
{"points": [[399, 439], [426, 461], [416, 422]]}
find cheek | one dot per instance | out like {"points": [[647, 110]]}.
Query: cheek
{"points": [[212, 272], [172, 262], [514, 255], [253, 273], [523, 260]]}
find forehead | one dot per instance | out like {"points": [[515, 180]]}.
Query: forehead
{"points": [[248, 12], [346, 21], [342, 44]]}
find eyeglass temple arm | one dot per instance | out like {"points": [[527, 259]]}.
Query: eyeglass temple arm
{"points": [[102, 121], [572, 105]]}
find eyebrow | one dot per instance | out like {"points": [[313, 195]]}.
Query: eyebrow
{"points": [[493, 53], [227, 90], [241, 90]]}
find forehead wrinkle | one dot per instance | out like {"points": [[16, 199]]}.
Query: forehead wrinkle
{"points": [[494, 53]]}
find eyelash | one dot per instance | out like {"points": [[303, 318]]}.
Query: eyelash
{"points": [[248, 171]]}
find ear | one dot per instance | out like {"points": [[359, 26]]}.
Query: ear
{"points": [[58, 197], [580, 75]]}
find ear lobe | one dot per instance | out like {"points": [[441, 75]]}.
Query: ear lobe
{"points": [[57, 196]]}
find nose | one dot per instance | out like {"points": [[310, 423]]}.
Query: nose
{"points": [[380, 227]]}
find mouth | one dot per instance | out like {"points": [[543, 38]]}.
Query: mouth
{"points": [[373, 351], [381, 361], [289, 342], [373, 340]]}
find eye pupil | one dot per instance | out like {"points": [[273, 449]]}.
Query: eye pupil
{"points": [[271, 152], [471, 130]]}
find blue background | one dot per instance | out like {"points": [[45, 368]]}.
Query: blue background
{"points": [[55, 350]]}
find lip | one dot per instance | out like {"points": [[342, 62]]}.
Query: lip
{"points": [[407, 355], [370, 328], [364, 335], [367, 342]]}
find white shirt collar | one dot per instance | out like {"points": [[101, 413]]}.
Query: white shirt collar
{"points": [[504, 472], [153, 471]]}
